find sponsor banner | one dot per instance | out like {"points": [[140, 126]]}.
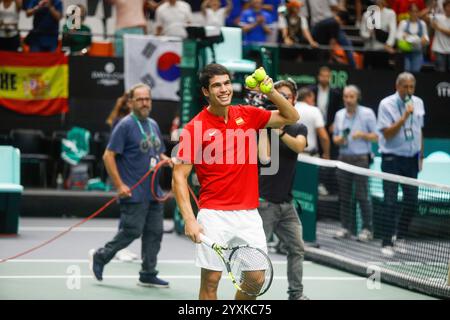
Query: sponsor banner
{"points": [[154, 61], [96, 77], [34, 83]]}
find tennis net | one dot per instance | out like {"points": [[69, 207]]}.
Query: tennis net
{"points": [[377, 224]]}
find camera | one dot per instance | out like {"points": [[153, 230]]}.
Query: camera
{"points": [[259, 99]]}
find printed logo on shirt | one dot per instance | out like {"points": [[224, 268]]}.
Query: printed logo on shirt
{"points": [[240, 121]]}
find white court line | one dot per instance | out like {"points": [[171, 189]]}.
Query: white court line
{"points": [[41, 277], [278, 262], [78, 229]]}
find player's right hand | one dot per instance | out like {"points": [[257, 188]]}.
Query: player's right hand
{"points": [[192, 229]]}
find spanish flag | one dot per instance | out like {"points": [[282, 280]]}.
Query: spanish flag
{"points": [[34, 83]]}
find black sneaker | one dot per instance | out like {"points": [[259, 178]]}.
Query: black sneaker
{"points": [[152, 281], [95, 267]]}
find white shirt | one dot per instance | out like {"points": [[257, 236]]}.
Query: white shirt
{"points": [[215, 18], [174, 19], [312, 118], [441, 43], [388, 23], [9, 16], [413, 30], [322, 101]]}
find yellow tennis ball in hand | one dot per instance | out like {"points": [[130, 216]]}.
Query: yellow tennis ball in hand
{"points": [[251, 82], [259, 74], [265, 88]]}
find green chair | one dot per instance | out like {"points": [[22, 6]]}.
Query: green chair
{"points": [[10, 189]]}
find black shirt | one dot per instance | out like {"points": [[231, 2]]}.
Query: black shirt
{"points": [[278, 188]]}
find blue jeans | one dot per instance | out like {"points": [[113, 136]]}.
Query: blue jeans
{"points": [[137, 220], [413, 61], [407, 167]]}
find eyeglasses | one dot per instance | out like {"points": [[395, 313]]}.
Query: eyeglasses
{"points": [[287, 96], [141, 100]]}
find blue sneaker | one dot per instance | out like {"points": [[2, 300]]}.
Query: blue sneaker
{"points": [[95, 267], [152, 281]]}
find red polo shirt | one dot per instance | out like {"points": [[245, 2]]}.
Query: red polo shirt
{"points": [[224, 156]]}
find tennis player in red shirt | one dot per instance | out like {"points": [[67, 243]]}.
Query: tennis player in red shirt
{"points": [[220, 143]]}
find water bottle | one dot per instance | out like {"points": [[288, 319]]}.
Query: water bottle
{"points": [[59, 182]]}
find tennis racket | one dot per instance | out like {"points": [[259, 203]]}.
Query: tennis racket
{"points": [[249, 268]]}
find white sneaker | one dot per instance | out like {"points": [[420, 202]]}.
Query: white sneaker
{"points": [[126, 255], [400, 246], [365, 235], [388, 251], [322, 190], [342, 234]]}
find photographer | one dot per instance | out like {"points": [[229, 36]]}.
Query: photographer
{"points": [[275, 192], [354, 130]]}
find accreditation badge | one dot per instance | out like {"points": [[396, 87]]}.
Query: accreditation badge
{"points": [[144, 145], [409, 135]]}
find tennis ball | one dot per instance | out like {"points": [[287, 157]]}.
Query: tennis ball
{"points": [[251, 82], [265, 88], [259, 74]]}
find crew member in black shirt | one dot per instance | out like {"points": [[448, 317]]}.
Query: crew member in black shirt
{"points": [[275, 207]]}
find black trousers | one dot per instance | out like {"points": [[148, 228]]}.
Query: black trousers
{"points": [[397, 216]]}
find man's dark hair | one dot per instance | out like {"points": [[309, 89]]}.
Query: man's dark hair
{"points": [[303, 93], [210, 71]]}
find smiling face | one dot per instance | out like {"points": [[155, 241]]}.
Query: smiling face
{"points": [[220, 91], [140, 103]]}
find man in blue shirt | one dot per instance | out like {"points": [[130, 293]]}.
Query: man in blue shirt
{"points": [[135, 146], [44, 36], [255, 23], [354, 132], [400, 119]]}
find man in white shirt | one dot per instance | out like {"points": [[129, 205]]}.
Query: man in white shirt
{"points": [[172, 17], [379, 42], [441, 44], [313, 120]]}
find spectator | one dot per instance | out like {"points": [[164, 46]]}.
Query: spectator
{"points": [[130, 19], [354, 130], [294, 28], [276, 208], [400, 120], [412, 37], [312, 118], [9, 25], [255, 22], [379, 43], [172, 17], [401, 8], [120, 110], [78, 40], [46, 15], [441, 43], [214, 14], [234, 18], [150, 9], [326, 25]]}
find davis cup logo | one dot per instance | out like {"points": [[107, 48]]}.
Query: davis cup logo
{"points": [[168, 66]]}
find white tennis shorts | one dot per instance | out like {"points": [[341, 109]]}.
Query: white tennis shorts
{"points": [[228, 228]]}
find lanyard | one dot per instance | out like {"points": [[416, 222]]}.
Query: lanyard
{"points": [[147, 141], [352, 120]]}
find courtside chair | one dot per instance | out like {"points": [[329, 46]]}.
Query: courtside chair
{"points": [[33, 151]]}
